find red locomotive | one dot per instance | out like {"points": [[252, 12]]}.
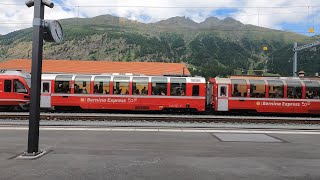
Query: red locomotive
{"points": [[14, 90], [157, 93]]}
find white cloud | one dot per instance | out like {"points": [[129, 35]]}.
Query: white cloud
{"points": [[13, 17]]}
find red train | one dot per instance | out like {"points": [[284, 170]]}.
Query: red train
{"points": [[14, 90], [123, 92], [157, 93], [263, 94]]}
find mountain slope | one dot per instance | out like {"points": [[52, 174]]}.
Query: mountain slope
{"points": [[212, 47]]}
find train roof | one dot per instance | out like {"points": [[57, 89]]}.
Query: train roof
{"points": [[274, 78], [228, 80], [188, 79], [15, 73]]}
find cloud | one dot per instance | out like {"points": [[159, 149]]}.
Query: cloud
{"points": [[15, 15]]}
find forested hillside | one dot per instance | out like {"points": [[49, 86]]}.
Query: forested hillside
{"points": [[308, 60], [210, 48]]}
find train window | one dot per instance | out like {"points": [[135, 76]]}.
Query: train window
{"points": [[102, 85], [62, 84], [7, 85], [159, 86], [45, 87], [140, 85], [294, 89], [223, 91], [239, 88], [19, 87], [195, 90], [275, 88], [121, 85], [257, 89], [312, 89], [178, 86], [82, 84]]}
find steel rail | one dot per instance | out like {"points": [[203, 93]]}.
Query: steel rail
{"points": [[162, 117]]}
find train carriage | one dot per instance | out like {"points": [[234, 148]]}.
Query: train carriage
{"points": [[157, 93], [263, 94], [14, 90], [123, 92]]}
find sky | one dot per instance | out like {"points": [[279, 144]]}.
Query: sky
{"points": [[288, 15]]}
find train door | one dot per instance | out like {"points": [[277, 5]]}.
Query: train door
{"points": [[209, 94], [45, 94], [223, 98]]}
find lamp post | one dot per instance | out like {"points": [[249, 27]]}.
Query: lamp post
{"points": [[39, 28]]}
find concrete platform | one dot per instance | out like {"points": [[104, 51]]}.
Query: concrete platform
{"points": [[93, 153]]}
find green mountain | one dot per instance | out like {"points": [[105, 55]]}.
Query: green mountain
{"points": [[212, 47]]}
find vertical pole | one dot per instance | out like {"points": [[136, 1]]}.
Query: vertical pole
{"points": [[37, 47], [295, 59]]}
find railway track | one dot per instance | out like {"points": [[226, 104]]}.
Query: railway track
{"points": [[160, 118]]}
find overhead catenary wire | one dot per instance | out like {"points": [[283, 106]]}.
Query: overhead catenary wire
{"points": [[167, 7]]}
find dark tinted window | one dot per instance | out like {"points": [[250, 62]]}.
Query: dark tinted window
{"points": [[223, 91], [312, 89], [294, 89], [195, 90], [276, 88], [45, 87], [7, 85], [177, 86], [62, 84], [159, 86], [19, 87]]}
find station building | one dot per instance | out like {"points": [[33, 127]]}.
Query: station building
{"points": [[100, 67]]}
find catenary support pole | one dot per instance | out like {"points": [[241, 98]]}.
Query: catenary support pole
{"points": [[295, 54], [295, 59]]}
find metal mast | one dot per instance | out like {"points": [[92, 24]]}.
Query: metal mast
{"points": [[295, 54]]}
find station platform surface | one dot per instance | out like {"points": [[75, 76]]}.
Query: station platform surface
{"points": [[120, 153]]}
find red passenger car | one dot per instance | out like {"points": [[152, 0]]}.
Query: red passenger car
{"points": [[123, 92], [263, 94], [14, 90]]}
